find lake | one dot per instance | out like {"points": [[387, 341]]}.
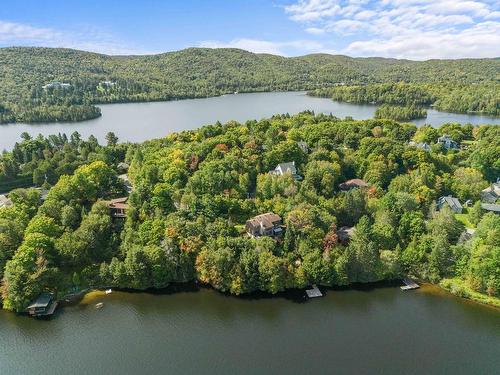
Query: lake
{"points": [[378, 331], [138, 122]]}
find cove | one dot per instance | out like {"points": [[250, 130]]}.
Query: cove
{"points": [[137, 122]]}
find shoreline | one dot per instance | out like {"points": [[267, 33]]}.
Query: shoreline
{"points": [[293, 295]]}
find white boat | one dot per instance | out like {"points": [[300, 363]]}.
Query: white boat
{"points": [[108, 291], [99, 305]]}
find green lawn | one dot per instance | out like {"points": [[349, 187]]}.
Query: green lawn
{"points": [[464, 219], [459, 288]]}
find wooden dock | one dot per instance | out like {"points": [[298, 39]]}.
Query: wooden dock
{"points": [[314, 292], [409, 284]]}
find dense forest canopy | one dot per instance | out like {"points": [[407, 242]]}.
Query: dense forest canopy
{"points": [[52, 84], [194, 191], [445, 96]]}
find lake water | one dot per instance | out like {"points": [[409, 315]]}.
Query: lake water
{"points": [[138, 122], [379, 331]]}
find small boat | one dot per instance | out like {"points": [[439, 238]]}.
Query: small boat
{"points": [[108, 291], [99, 305]]}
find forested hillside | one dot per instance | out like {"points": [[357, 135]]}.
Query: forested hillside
{"points": [[91, 78], [194, 191], [445, 96]]}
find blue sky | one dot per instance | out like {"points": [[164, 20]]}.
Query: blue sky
{"points": [[415, 29]]}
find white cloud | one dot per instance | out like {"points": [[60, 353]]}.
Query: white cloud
{"points": [[11, 31], [265, 46], [88, 39], [482, 40], [315, 30], [416, 29]]}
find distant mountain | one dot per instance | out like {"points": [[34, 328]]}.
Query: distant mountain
{"points": [[30, 77]]}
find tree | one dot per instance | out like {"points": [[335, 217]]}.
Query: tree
{"points": [[111, 139]]}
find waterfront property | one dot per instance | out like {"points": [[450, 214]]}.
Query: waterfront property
{"points": [[451, 202], [288, 167], [44, 305], [354, 183], [118, 207], [268, 224]]}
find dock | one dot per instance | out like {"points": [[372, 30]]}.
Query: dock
{"points": [[409, 284], [314, 292]]}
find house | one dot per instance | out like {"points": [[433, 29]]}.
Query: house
{"points": [[288, 167], [118, 207], [355, 183], [44, 305], [303, 146], [61, 85], [495, 208], [126, 182], [344, 234], [108, 83], [451, 202], [491, 194], [123, 167], [268, 224], [4, 201], [421, 145], [447, 142]]}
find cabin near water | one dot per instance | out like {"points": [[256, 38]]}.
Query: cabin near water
{"points": [[43, 306]]}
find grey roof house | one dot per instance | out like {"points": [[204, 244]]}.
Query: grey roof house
{"points": [[448, 143], [491, 194], [288, 167], [451, 202], [495, 208]]}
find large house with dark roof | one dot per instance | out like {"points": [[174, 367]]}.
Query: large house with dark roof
{"points": [[118, 207], [355, 183], [491, 194], [451, 202], [268, 224], [448, 143]]}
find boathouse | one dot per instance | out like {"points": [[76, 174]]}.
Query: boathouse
{"points": [[44, 305]]}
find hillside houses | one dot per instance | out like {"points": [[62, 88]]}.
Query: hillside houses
{"points": [[451, 202], [491, 194], [288, 167], [354, 183], [268, 224], [448, 143]]}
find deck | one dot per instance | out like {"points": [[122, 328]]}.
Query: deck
{"points": [[409, 284], [314, 292]]}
